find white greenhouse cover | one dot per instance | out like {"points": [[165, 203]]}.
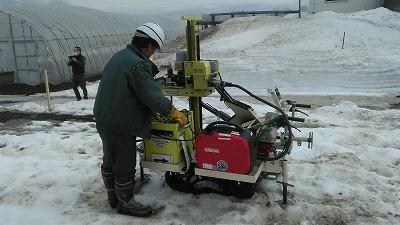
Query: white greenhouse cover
{"points": [[37, 38]]}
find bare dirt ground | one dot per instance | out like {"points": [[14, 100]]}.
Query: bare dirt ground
{"points": [[12, 115], [389, 101]]}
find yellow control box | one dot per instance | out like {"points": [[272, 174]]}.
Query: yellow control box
{"points": [[201, 71], [165, 144]]}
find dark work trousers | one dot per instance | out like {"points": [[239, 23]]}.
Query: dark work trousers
{"points": [[119, 156], [79, 80]]}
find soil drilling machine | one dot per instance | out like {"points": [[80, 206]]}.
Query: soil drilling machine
{"points": [[229, 156]]}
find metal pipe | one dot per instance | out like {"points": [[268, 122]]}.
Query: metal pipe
{"points": [[141, 172], [25, 48], [344, 36], [284, 180], [299, 8], [13, 47], [195, 106], [190, 42], [198, 47]]}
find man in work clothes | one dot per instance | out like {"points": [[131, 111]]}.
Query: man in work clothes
{"points": [[126, 99], [77, 61]]}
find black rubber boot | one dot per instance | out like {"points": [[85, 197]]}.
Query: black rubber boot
{"points": [[85, 94], [127, 204], [108, 179]]}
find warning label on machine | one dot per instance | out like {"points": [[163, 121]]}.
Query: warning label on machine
{"points": [[207, 166], [160, 143], [172, 92]]}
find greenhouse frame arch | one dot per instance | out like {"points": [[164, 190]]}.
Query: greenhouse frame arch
{"points": [[37, 39]]}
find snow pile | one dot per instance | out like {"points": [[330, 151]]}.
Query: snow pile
{"points": [[70, 107], [62, 102], [354, 164], [302, 55]]}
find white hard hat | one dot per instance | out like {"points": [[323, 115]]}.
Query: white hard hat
{"points": [[154, 31]]}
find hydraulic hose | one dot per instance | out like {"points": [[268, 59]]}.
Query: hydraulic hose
{"points": [[288, 144]]}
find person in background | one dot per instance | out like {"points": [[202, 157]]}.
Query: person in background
{"points": [[77, 61], [126, 99]]}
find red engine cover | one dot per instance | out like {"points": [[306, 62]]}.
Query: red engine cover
{"points": [[223, 152]]}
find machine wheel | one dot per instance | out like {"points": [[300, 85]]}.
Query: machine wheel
{"points": [[242, 190], [189, 183], [180, 182]]}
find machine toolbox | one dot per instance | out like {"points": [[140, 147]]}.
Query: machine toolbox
{"points": [[227, 147], [164, 145]]}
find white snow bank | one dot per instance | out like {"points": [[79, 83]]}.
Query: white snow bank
{"points": [[306, 55]]}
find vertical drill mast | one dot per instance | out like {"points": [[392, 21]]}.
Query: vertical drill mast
{"points": [[193, 54]]}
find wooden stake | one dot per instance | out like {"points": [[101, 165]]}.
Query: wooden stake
{"points": [[46, 80]]}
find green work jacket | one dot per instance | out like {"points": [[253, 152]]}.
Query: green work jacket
{"points": [[128, 94]]}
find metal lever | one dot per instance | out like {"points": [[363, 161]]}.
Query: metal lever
{"points": [[309, 139], [299, 140], [185, 126], [284, 202]]}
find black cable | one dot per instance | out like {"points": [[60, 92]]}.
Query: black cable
{"points": [[171, 139], [190, 127], [295, 128], [289, 141]]}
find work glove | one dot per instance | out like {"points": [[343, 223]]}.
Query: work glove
{"points": [[157, 117], [175, 115]]}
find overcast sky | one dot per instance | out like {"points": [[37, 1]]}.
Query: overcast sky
{"points": [[167, 4]]}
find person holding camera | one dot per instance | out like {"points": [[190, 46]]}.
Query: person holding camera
{"points": [[77, 61]]}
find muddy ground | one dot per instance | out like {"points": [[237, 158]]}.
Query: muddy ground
{"points": [[389, 101]]}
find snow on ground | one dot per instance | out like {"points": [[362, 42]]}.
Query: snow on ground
{"points": [[351, 176], [50, 169], [266, 51]]}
